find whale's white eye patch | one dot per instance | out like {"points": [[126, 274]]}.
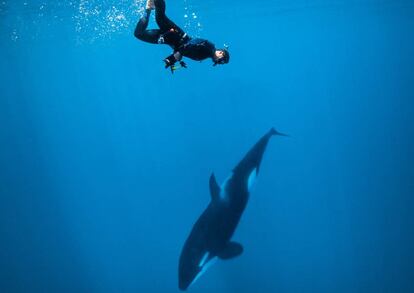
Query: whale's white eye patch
{"points": [[252, 179]]}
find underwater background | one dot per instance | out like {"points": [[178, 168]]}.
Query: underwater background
{"points": [[105, 156]]}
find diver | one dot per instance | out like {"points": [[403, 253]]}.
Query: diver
{"points": [[170, 34]]}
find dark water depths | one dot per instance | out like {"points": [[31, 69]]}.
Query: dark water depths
{"points": [[105, 156]]}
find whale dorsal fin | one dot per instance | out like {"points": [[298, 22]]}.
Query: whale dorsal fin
{"points": [[214, 188], [231, 250]]}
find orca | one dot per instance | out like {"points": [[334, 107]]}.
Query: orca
{"points": [[210, 237]]}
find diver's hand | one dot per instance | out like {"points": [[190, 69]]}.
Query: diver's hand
{"points": [[169, 64]]}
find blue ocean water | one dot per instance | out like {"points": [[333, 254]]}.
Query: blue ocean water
{"points": [[105, 156]]}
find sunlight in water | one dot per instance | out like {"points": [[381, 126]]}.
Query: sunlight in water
{"points": [[192, 24], [102, 19], [92, 20]]}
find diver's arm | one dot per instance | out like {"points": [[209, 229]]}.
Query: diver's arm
{"points": [[172, 59]]}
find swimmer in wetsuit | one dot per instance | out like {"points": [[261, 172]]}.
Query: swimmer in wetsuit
{"points": [[170, 34]]}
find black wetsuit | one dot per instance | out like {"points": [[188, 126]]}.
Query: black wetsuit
{"points": [[170, 34]]}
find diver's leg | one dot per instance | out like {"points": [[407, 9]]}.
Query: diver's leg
{"points": [[141, 32], [163, 21]]}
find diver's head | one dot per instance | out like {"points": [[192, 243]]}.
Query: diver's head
{"points": [[221, 56]]}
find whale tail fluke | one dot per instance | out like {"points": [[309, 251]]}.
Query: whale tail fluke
{"points": [[273, 131]]}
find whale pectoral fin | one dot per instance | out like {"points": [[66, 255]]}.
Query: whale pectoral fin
{"points": [[232, 250], [214, 188]]}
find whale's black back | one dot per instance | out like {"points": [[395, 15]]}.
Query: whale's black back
{"points": [[253, 158]]}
